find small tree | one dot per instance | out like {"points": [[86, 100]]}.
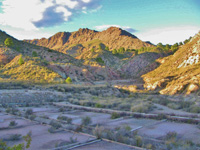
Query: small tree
{"points": [[68, 80], [114, 51], [86, 121], [92, 50], [12, 124], [8, 42], [21, 61], [107, 48], [34, 54]]}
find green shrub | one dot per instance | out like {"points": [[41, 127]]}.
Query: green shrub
{"points": [[98, 131], [99, 60], [12, 123], [92, 50], [34, 54], [68, 80], [97, 105], [86, 121], [29, 112], [15, 137], [64, 118], [55, 124], [8, 42], [20, 61], [115, 115]]}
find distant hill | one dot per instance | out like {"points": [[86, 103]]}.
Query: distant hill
{"points": [[76, 42], [85, 55], [178, 73]]}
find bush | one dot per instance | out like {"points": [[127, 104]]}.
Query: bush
{"points": [[20, 61], [34, 54], [55, 124], [98, 131], [8, 42], [29, 112], [12, 123], [68, 80], [99, 60], [97, 105], [86, 121], [115, 115], [15, 137], [69, 120], [32, 117]]}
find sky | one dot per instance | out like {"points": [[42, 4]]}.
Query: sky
{"points": [[165, 21]]}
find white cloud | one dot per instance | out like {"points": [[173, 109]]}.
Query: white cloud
{"points": [[127, 28], [65, 12], [21, 13], [168, 35], [86, 1], [33, 14]]}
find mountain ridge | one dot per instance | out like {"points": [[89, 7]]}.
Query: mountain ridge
{"points": [[113, 37]]}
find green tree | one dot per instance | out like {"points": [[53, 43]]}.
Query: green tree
{"points": [[121, 50], [86, 121], [167, 47], [8, 42], [107, 48], [68, 80], [20, 61], [34, 54], [114, 51], [174, 47], [180, 43], [160, 45], [92, 50]]}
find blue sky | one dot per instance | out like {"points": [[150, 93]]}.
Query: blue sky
{"points": [[166, 21]]}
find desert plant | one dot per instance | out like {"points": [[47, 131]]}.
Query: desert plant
{"points": [[15, 137], [98, 131], [29, 112], [12, 123], [27, 138], [55, 124], [8, 42], [20, 61], [86, 121], [69, 120], [115, 115], [68, 80], [34, 54]]}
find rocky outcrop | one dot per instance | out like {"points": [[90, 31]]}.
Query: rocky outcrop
{"points": [[178, 73]]}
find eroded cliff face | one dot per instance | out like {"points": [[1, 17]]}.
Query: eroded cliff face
{"points": [[179, 73]]}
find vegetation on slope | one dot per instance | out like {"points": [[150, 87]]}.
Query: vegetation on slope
{"points": [[178, 73]]}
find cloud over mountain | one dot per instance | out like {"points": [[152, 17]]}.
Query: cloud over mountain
{"points": [[34, 14]]}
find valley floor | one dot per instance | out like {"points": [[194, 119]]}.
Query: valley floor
{"points": [[158, 127]]}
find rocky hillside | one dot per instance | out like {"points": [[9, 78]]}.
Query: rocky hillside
{"points": [[83, 56], [178, 73], [82, 40]]}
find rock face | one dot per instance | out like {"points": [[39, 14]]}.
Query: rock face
{"points": [[179, 73]]}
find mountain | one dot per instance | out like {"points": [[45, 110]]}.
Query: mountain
{"points": [[82, 40], [178, 73], [83, 56]]}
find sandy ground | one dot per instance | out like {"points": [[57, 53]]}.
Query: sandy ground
{"points": [[185, 131], [41, 138], [164, 109]]}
